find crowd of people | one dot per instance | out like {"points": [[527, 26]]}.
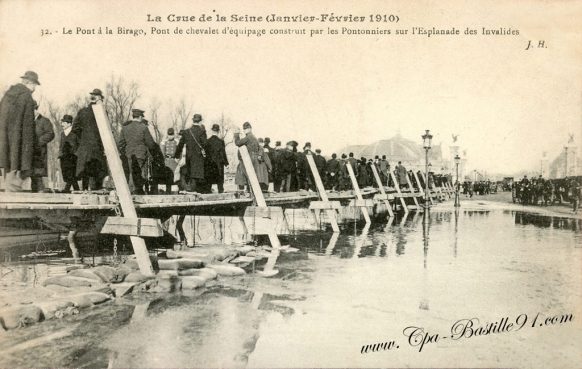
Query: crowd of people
{"points": [[544, 192], [192, 159]]}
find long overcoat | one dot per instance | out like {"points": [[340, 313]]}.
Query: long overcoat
{"points": [[68, 147], [216, 160], [90, 145], [44, 134], [401, 175], [254, 149], [17, 129], [194, 138]]}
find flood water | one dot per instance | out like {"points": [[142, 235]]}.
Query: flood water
{"points": [[337, 294]]}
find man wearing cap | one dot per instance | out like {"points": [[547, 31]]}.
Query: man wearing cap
{"points": [[67, 148], [91, 161], [320, 163], [384, 168], [332, 168], [43, 129], [17, 131], [135, 142], [194, 138], [344, 179], [252, 144], [216, 160], [276, 163], [287, 167]]}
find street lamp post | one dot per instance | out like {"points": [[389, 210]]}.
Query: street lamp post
{"points": [[457, 184], [426, 143]]}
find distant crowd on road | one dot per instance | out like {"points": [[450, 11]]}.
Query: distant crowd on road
{"points": [[544, 192]]}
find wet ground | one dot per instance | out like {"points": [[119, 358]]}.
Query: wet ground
{"points": [[337, 294]]}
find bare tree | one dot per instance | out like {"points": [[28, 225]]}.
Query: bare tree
{"points": [[54, 113], [180, 114], [226, 129], [154, 113], [120, 98], [76, 104]]}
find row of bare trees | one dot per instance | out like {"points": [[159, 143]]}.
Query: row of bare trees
{"points": [[121, 96]]}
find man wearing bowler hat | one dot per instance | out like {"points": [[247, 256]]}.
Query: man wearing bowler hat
{"points": [[194, 138], [91, 161], [17, 136], [136, 143], [216, 160]]}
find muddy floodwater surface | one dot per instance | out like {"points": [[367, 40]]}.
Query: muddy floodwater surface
{"points": [[486, 288]]}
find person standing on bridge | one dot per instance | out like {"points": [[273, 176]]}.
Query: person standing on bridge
{"points": [[17, 131], [135, 142], [194, 139], [332, 169], [287, 167], [252, 144], [91, 161], [216, 159], [320, 164], [401, 175], [354, 163], [384, 167], [67, 149], [44, 133]]}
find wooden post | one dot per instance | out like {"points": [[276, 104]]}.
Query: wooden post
{"points": [[357, 191], [397, 187], [257, 192], [331, 214], [382, 190], [412, 191], [127, 207]]}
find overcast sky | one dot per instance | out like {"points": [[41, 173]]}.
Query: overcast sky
{"points": [[508, 105]]}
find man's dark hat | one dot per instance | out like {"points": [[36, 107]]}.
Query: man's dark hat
{"points": [[267, 140], [260, 139], [277, 143], [170, 131], [67, 118], [334, 155], [344, 156], [376, 157], [318, 151], [307, 144], [31, 76], [137, 113], [247, 125], [383, 156], [96, 92], [197, 118], [216, 128]]}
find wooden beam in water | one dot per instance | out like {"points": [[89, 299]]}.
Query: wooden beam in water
{"points": [[257, 192], [114, 161], [331, 212], [399, 193], [358, 192], [382, 190]]}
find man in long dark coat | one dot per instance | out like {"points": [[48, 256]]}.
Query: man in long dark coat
{"points": [[354, 163], [194, 139], [401, 175], [216, 159], [320, 163], [287, 167], [254, 149], [276, 162], [135, 142], [17, 131], [67, 149], [91, 161], [344, 179], [44, 133], [332, 169]]}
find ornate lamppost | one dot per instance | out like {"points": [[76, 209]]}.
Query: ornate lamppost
{"points": [[457, 183], [426, 143]]}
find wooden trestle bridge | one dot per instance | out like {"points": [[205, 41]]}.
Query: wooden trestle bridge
{"points": [[138, 216]]}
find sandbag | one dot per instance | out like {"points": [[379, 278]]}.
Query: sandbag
{"points": [[20, 316], [136, 277], [206, 273], [227, 270], [97, 297], [81, 301], [50, 308], [171, 264], [221, 253], [109, 274], [85, 273], [190, 263], [71, 281], [192, 282], [243, 250]]}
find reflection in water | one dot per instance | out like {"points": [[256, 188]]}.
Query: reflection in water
{"points": [[389, 282]]}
